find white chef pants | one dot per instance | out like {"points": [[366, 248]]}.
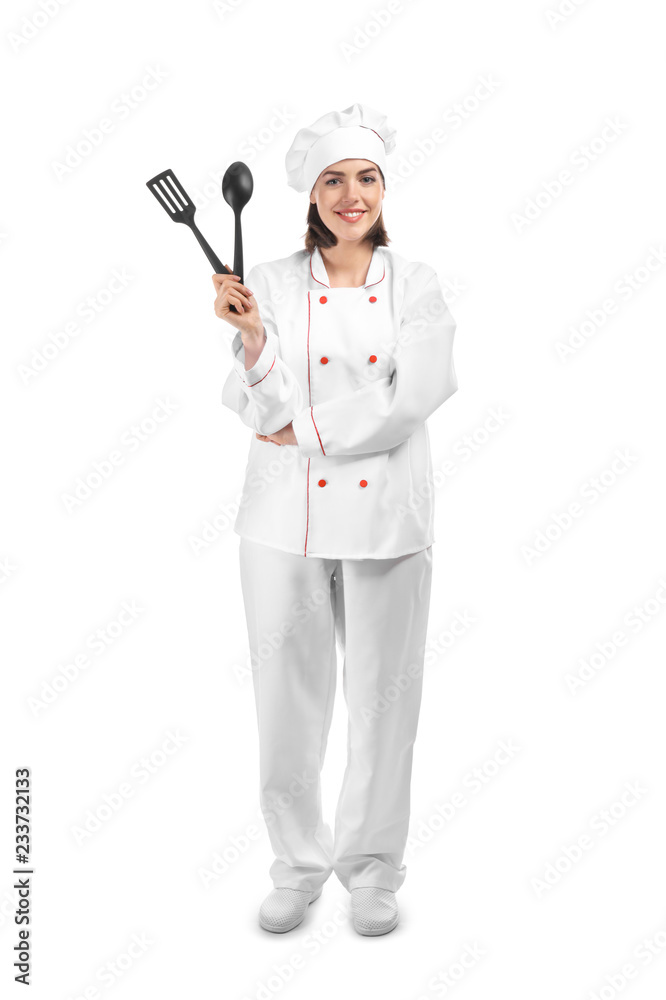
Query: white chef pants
{"points": [[295, 608]]}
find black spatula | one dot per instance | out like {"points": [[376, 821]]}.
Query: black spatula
{"points": [[179, 206]]}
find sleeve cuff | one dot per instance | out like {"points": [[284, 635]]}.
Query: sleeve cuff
{"points": [[264, 363], [306, 434]]}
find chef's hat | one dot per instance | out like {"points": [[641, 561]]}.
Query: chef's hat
{"points": [[358, 132]]}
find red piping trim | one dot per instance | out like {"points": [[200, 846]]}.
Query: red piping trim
{"points": [[307, 506], [307, 511], [381, 279], [373, 130], [316, 279], [250, 384], [315, 427], [308, 350]]}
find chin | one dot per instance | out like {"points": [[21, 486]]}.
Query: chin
{"points": [[346, 232], [352, 237]]}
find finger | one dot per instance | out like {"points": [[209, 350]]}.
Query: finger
{"points": [[245, 299], [220, 282], [235, 289], [240, 297], [237, 283], [236, 277]]}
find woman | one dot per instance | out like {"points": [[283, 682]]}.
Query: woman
{"points": [[342, 351]]}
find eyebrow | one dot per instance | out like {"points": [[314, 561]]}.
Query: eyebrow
{"points": [[341, 173]]}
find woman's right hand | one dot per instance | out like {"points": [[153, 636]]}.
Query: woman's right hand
{"points": [[231, 291]]}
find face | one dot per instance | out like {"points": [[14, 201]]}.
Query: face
{"points": [[349, 186]]}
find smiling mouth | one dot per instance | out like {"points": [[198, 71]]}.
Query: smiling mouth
{"points": [[356, 214]]}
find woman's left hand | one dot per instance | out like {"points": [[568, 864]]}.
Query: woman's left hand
{"points": [[284, 436]]}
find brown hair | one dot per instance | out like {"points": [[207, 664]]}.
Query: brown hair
{"points": [[319, 235]]}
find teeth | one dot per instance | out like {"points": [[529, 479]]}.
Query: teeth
{"points": [[350, 215]]}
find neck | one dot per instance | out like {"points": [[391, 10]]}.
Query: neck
{"points": [[348, 262]]}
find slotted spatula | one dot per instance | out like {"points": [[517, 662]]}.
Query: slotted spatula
{"points": [[179, 206]]}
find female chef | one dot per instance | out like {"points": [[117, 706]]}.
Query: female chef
{"points": [[342, 352]]}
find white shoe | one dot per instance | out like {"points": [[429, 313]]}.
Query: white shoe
{"points": [[283, 909], [374, 911]]}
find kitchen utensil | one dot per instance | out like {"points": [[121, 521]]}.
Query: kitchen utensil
{"points": [[237, 187], [179, 206]]}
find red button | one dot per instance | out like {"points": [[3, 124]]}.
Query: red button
{"points": [[323, 299], [373, 298], [324, 361], [364, 482], [322, 482], [373, 358]]}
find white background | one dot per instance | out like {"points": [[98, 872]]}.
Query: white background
{"points": [[517, 97]]}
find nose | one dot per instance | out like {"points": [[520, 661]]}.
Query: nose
{"points": [[351, 196]]}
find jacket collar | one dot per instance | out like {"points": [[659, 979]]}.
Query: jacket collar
{"points": [[376, 271]]}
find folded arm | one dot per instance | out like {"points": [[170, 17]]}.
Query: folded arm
{"points": [[381, 416]]}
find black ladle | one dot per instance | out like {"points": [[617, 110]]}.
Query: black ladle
{"points": [[237, 187]]}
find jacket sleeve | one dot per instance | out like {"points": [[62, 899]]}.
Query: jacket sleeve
{"points": [[380, 416], [267, 396]]}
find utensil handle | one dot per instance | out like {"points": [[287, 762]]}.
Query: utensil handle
{"points": [[238, 248], [208, 250], [212, 257]]}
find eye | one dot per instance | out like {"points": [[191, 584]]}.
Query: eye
{"points": [[368, 177]]}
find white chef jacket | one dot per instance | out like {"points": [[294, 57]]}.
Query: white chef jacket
{"points": [[358, 371]]}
